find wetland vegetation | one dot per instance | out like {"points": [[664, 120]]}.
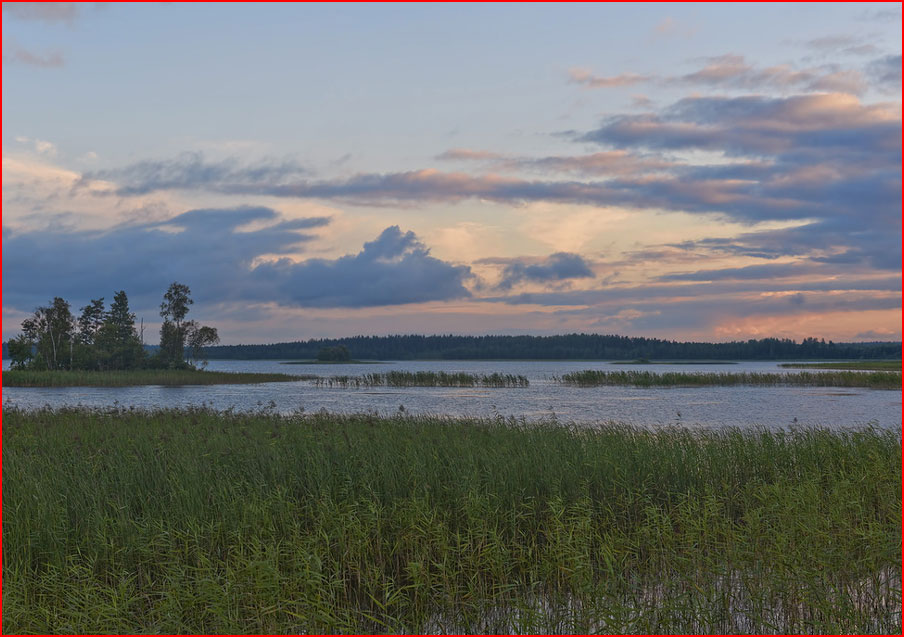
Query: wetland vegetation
{"points": [[129, 378], [195, 521], [854, 365], [596, 378], [424, 379]]}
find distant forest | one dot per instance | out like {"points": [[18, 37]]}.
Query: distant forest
{"points": [[570, 346]]}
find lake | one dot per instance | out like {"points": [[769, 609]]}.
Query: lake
{"points": [[705, 407]]}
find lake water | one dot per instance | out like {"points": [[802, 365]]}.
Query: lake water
{"points": [[544, 399]]}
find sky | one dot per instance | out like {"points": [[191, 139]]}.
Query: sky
{"points": [[707, 172]]}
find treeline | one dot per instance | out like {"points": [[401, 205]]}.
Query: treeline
{"points": [[102, 339], [570, 346]]}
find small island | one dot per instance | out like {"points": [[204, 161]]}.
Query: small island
{"points": [[332, 355], [102, 348]]}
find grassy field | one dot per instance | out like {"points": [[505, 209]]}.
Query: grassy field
{"points": [[424, 379], [863, 365], [202, 522], [594, 378], [21, 378]]}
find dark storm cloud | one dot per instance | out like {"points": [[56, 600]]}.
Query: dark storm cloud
{"points": [[201, 246], [561, 266], [210, 250], [393, 269]]}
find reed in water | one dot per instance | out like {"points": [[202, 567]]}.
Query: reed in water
{"points": [[196, 521]]}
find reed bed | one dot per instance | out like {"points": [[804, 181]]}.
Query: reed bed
{"points": [[424, 379], [125, 378], [195, 521], [595, 378], [862, 365]]}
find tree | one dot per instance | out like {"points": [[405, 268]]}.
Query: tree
{"points": [[21, 350], [200, 337], [173, 310], [86, 355], [91, 320], [117, 339], [176, 333], [175, 303], [50, 331], [334, 353]]}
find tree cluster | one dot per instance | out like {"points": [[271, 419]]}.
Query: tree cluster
{"points": [[335, 353], [104, 339]]}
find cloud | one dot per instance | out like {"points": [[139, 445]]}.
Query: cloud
{"points": [[632, 294], [43, 11], [215, 252], [616, 162], [809, 156], [873, 336], [394, 269], [191, 171], [613, 162], [754, 272], [668, 26], [15, 54], [841, 43], [466, 154], [733, 71], [40, 146], [886, 16], [757, 125], [200, 246], [886, 72], [561, 266], [583, 76]]}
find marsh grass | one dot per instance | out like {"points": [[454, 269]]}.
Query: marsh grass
{"points": [[424, 379], [862, 365], [125, 378], [594, 378], [201, 522]]}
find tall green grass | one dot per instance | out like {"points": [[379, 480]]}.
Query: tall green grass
{"points": [[592, 378], [201, 522], [125, 378], [424, 379]]}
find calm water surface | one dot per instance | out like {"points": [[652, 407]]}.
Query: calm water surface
{"points": [[542, 400]]}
